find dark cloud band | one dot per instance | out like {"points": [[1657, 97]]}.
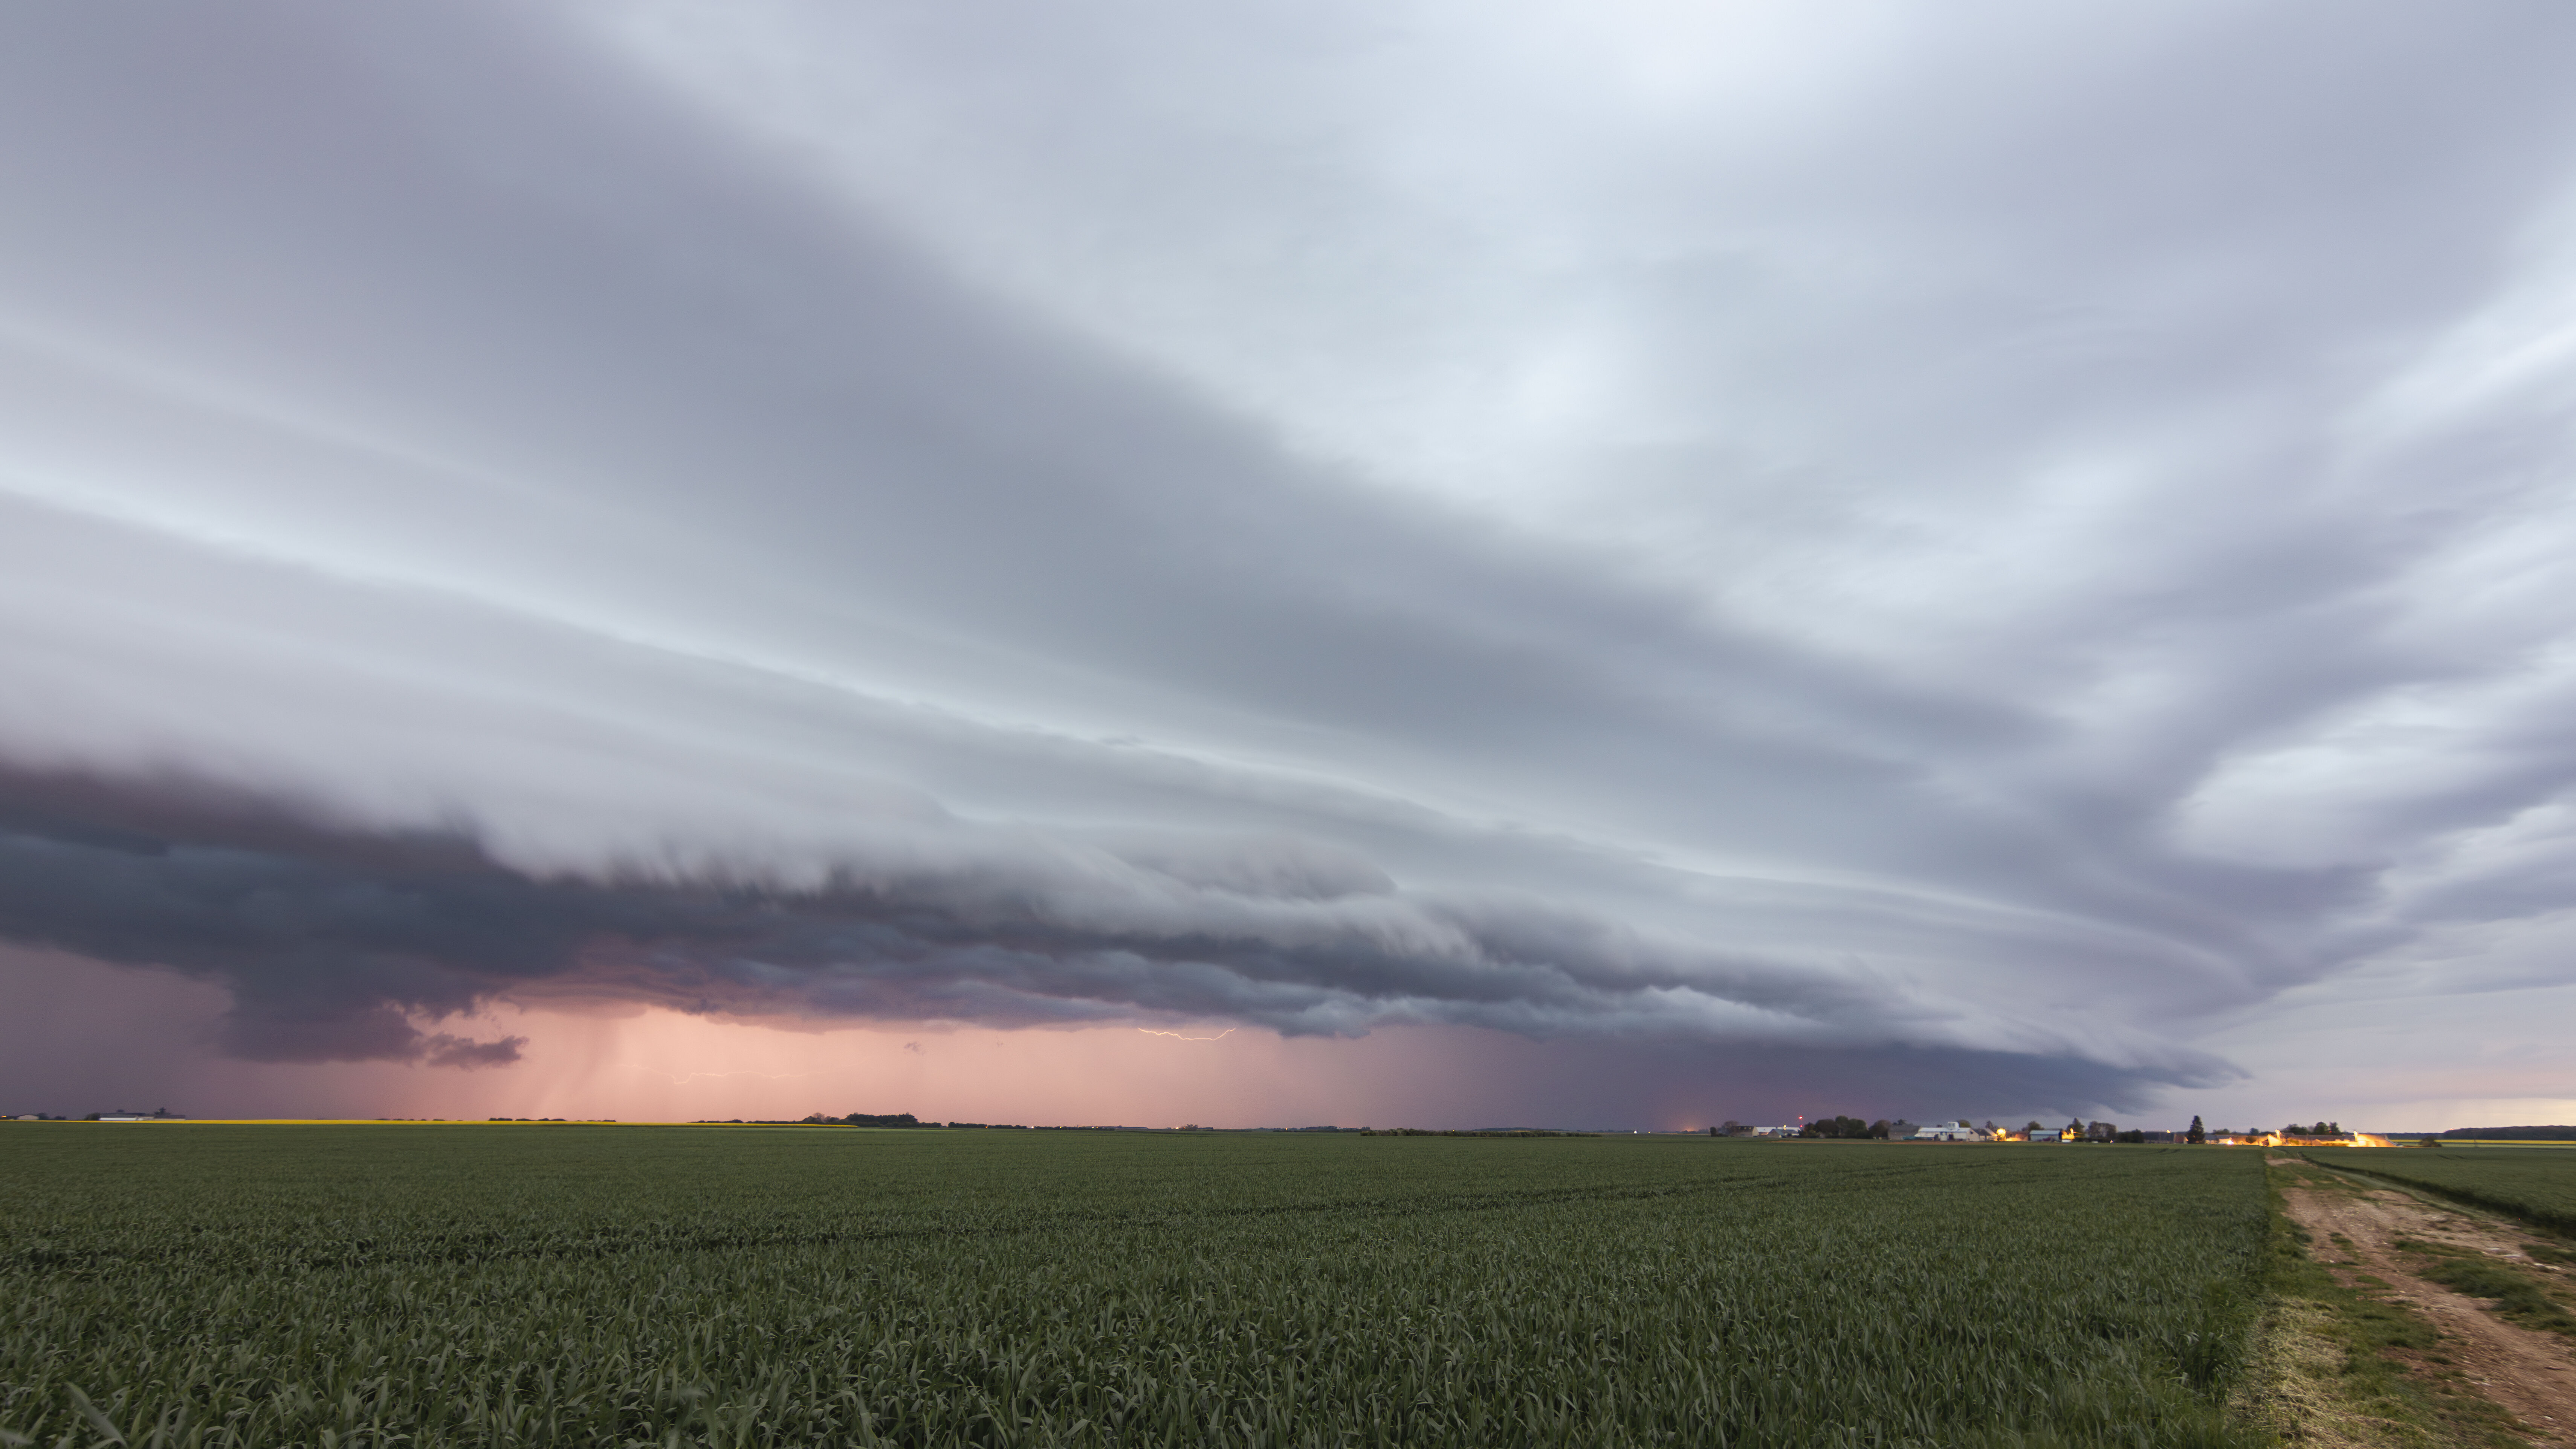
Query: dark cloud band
{"points": [[335, 940]]}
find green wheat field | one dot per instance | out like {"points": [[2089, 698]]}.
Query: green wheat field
{"points": [[575, 1285]]}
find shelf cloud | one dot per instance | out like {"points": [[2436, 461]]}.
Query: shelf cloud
{"points": [[333, 941]]}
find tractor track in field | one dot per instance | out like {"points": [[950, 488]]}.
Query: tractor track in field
{"points": [[2527, 1371]]}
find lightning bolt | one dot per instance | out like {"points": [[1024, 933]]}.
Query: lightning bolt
{"points": [[1176, 1036]]}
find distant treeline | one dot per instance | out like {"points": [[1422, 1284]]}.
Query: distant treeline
{"points": [[860, 1119], [1479, 1132], [588, 1120], [906, 1119], [855, 1119], [2513, 1134]]}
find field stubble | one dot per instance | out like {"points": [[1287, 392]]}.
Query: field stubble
{"points": [[574, 1285]]}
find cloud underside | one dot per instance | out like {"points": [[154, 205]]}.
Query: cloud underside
{"points": [[1999, 534], [336, 942]]}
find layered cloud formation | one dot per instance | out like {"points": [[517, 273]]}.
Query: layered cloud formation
{"points": [[332, 939], [2013, 539]]}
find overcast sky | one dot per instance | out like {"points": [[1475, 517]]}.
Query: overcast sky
{"points": [[1419, 561]]}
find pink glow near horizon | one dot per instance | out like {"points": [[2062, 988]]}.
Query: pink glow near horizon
{"points": [[652, 1064], [649, 1064], [665, 1064]]}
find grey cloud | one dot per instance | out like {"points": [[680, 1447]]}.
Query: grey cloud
{"points": [[1603, 1084], [333, 940], [2040, 570], [445, 1049]]}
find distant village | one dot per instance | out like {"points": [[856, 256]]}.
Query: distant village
{"points": [[121, 1114], [2316, 1134]]}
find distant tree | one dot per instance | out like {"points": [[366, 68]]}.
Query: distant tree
{"points": [[865, 1119], [1882, 1129], [2197, 1132], [2033, 1127], [1835, 1127]]}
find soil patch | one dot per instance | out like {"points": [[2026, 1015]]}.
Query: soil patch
{"points": [[2356, 1226]]}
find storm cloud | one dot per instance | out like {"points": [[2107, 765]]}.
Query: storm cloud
{"points": [[2038, 539], [332, 941]]}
